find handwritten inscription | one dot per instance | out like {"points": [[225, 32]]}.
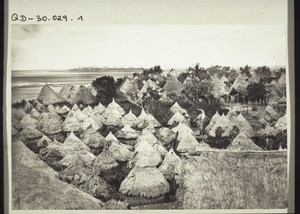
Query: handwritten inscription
{"points": [[42, 18]]}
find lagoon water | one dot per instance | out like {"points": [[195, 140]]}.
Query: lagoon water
{"points": [[27, 84]]}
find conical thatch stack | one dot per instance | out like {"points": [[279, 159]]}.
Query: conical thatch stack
{"points": [[231, 114], [127, 87], [50, 108], [176, 118], [99, 109], [27, 120], [165, 134], [47, 96], [188, 143], [243, 125], [49, 123], [18, 113], [240, 81], [88, 111], [72, 144], [111, 138], [57, 108], [92, 138], [105, 161], [71, 124], [129, 119], [75, 108], [64, 110], [225, 124], [84, 156], [28, 106], [84, 96], [146, 182], [44, 142], [263, 122], [148, 119], [202, 146], [267, 131], [281, 124], [120, 151], [142, 115], [172, 86], [30, 132], [114, 105], [171, 165], [160, 149], [90, 122], [127, 133], [145, 155], [68, 92], [112, 117], [34, 114], [39, 106], [177, 108], [213, 121], [150, 128], [243, 143], [146, 136], [270, 114], [182, 130]]}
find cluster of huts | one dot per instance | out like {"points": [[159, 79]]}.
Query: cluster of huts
{"points": [[135, 157]]}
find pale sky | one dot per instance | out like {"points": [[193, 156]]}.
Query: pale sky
{"points": [[36, 47]]}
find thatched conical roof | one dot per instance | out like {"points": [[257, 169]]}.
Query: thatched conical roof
{"points": [[47, 96], [82, 155], [75, 108], [243, 143], [64, 110], [243, 125], [114, 105], [50, 108], [30, 132], [136, 185], [146, 136], [112, 117], [281, 124], [267, 131], [120, 151], [71, 124], [171, 165], [177, 108], [165, 134], [172, 86], [150, 128], [176, 118], [34, 114], [111, 138], [127, 132], [90, 122], [225, 124], [182, 130], [49, 123], [18, 113], [43, 140], [84, 96], [88, 111], [240, 81], [231, 114], [39, 106], [142, 115], [92, 138], [127, 87], [148, 119], [270, 114], [281, 83], [72, 144], [27, 120], [160, 149], [99, 108], [223, 79], [187, 143], [105, 161], [213, 121], [129, 119], [202, 146], [68, 92]]}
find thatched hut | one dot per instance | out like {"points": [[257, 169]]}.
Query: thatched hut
{"points": [[243, 143], [72, 144], [129, 119], [112, 117], [99, 108], [88, 111], [188, 143], [281, 124], [71, 124], [30, 136], [34, 114], [202, 147], [105, 161], [243, 125], [64, 110], [281, 84], [51, 155], [127, 86], [27, 120], [177, 118], [213, 121], [68, 92], [84, 156], [44, 142], [171, 166], [114, 105], [172, 86], [270, 114], [225, 124], [84, 96], [93, 139], [127, 134], [50, 124], [120, 152], [50, 108], [146, 120], [111, 138], [165, 135], [268, 131], [146, 136], [160, 149], [47, 96], [182, 130], [18, 113], [150, 128], [39, 106], [90, 122], [177, 108]]}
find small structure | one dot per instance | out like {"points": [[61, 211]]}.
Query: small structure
{"points": [[47, 96], [243, 143], [177, 108], [129, 119], [84, 96], [177, 118]]}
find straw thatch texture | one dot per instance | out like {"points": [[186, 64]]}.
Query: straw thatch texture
{"points": [[90, 122], [84, 96], [142, 115], [267, 131], [243, 125], [44, 142], [171, 165], [172, 86], [127, 87], [71, 124], [99, 108], [177, 108], [127, 133], [213, 121], [47, 96], [68, 92], [18, 113], [64, 110], [153, 186], [95, 185], [144, 121], [129, 119], [83, 156], [150, 128], [112, 117], [92, 138], [49, 123], [120, 151], [182, 130], [270, 114], [111, 138], [30, 132], [34, 114], [187, 143], [39, 106], [225, 124], [72, 144], [281, 124], [88, 111], [202, 146], [114, 105], [160, 149], [78, 114], [146, 136], [176, 118], [243, 143], [27, 120], [165, 134], [105, 161], [50, 108]]}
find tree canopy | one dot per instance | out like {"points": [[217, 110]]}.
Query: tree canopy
{"points": [[106, 88]]}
